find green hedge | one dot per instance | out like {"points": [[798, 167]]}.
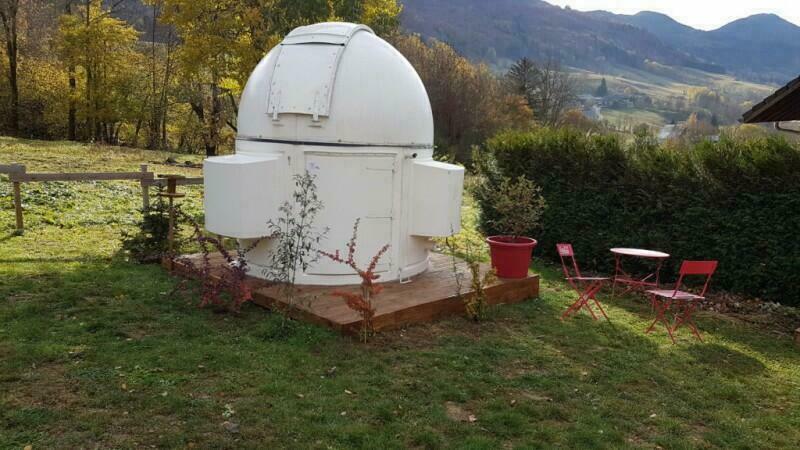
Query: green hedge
{"points": [[734, 201]]}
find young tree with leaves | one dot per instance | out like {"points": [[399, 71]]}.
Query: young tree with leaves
{"points": [[103, 49]]}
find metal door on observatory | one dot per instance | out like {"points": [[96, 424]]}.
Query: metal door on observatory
{"points": [[369, 178]]}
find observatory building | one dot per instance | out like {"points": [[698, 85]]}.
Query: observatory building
{"points": [[339, 102]]}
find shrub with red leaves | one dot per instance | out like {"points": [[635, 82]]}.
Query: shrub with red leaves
{"points": [[360, 302], [225, 289]]}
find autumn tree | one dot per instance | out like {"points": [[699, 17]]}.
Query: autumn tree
{"points": [[103, 48], [575, 118], [698, 128], [9, 17], [469, 103]]}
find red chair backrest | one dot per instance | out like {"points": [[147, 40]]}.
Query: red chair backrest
{"points": [[706, 268], [565, 252], [698, 267]]}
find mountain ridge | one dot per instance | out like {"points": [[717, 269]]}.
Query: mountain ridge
{"points": [[761, 47]]}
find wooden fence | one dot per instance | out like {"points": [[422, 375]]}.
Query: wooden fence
{"points": [[17, 174]]}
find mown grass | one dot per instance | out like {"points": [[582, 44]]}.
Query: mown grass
{"points": [[99, 352]]}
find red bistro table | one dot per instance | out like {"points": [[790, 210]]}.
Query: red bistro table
{"points": [[622, 277]]}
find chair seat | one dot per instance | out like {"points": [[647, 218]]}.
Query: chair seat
{"points": [[672, 293], [589, 278]]}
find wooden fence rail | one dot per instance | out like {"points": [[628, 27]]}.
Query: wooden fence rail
{"points": [[17, 174]]}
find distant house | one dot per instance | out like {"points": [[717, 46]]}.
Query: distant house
{"points": [[617, 101], [782, 106], [671, 131], [593, 112], [679, 130]]}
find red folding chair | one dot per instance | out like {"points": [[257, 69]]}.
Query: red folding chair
{"points": [[586, 287], [685, 302]]}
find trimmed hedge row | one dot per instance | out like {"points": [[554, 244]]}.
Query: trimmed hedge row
{"points": [[734, 201]]}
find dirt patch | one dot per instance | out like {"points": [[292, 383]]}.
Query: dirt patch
{"points": [[43, 386], [458, 413], [428, 334], [534, 397], [520, 368]]}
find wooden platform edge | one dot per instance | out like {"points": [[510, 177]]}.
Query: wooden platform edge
{"points": [[179, 268], [504, 291]]}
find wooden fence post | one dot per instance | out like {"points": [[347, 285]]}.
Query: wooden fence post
{"points": [[18, 207], [145, 189]]}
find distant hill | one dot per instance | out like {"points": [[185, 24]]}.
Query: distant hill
{"points": [[662, 26], [763, 48], [501, 31]]}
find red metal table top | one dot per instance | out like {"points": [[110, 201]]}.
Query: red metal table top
{"points": [[640, 253]]}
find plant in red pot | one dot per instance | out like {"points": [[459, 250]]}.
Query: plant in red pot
{"points": [[518, 206]]}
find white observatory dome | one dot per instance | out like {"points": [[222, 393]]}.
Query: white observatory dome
{"points": [[335, 100], [341, 74]]}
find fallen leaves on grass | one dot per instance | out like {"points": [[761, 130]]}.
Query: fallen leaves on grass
{"points": [[231, 427]]}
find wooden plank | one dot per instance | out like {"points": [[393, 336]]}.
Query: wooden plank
{"points": [[179, 182], [18, 207], [80, 176], [145, 189], [12, 168]]}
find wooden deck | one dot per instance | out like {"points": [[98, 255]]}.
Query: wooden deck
{"points": [[427, 297]]}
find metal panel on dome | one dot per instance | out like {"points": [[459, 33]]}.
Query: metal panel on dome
{"points": [[305, 70], [303, 80], [337, 33]]}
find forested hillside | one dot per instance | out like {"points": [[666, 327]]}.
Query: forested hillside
{"points": [[506, 30], [762, 48]]}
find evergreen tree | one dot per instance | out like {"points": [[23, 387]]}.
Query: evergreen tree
{"points": [[602, 90], [547, 88], [521, 79]]}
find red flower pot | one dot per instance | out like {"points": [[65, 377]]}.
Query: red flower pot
{"points": [[511, 255]]}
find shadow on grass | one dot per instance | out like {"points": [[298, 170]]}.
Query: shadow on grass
{"points": [[85, 260], [9, 237]]}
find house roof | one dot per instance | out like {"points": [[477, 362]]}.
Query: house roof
{"points": [[782, 106]]}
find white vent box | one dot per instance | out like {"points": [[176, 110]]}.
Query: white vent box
{"points": [[242, 193], [436, 198]]}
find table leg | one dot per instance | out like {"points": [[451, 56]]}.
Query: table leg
{"points": [[616, 275], [658, 272]]}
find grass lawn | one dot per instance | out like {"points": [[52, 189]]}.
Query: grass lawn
{"points": [[96, 352]]}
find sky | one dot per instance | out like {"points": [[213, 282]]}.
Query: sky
{"points": [[701, 14]]}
